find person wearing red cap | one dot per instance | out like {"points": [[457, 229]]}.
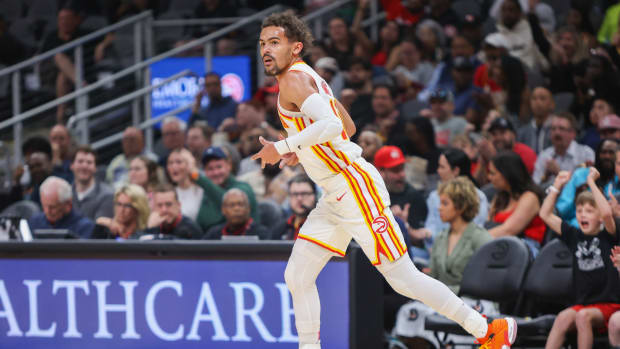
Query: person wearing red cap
{"points": [[355, 203], [609, 126], [407, 202]]}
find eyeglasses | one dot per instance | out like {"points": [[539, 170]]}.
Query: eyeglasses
{"points": [[122, 205], [303, 194]]}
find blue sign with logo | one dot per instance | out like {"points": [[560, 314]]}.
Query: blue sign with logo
{"points": [[234, 71], [65, 303]]}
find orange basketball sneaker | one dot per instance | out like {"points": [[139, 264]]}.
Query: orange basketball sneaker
{"points": [[500, 335]]}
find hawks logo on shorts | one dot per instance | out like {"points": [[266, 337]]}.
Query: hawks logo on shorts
{"points": [[380, 225]]}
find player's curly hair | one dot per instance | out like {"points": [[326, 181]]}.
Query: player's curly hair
{"points": [[294, 28]]}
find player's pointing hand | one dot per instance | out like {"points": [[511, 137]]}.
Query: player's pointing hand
{"points": [[268, 154]]}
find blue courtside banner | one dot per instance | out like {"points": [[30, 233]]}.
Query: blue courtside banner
{"points": [[106, 303], [234, 71]]}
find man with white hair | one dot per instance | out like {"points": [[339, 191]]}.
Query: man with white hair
{"points": [[58, 213]]}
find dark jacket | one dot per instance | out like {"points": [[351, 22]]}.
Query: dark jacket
{"points": [[182, 228], [286, 229], [78, 225], [417, 208], [251, 228]]}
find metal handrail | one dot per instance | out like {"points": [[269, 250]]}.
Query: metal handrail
{"points": [[77, 42], [125, 98], [28, 114], [148, 123], [194, 21]]}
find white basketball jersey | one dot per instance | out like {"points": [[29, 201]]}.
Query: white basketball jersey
{"points": [[328, 159]]}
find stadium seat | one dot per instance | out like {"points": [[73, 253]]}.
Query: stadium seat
{"points": [[495, 273], [549, 284], [23, 209], [269, 212]]}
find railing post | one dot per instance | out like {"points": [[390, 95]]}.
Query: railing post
{"points": [[17, 128], [318, 28], [208, 54], [80, 101], [260, 69], [137, 55], [374, 28], [148, 51]]}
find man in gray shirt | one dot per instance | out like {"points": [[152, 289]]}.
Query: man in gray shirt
{"points": [[91, 198], [446, 124], [536, 134], [565, 154]]}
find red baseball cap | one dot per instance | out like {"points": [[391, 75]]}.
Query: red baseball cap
{"points": [[611, 121], [389, 156]]}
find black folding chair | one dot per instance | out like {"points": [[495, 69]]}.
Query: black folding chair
{"points": [[496, 273]]}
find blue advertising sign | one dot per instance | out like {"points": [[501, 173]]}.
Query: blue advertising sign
{"points": [[74, 303], [234, 71]]}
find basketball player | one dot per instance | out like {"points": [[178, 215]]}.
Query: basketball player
{"points": [[355, 203]]}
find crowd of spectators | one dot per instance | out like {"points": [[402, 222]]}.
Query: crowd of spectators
{"points": [[470, 113]]}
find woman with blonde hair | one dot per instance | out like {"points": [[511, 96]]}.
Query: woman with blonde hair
{"points": [[131, 212]]}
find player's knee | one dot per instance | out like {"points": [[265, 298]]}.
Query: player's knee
{"points": [[289, 277], [294, 279]]}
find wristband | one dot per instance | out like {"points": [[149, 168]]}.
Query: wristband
{"points": [[282, 146], [552, 189]]}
